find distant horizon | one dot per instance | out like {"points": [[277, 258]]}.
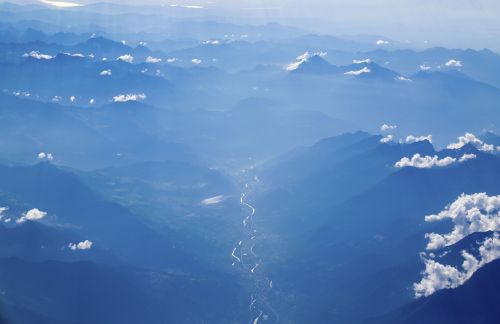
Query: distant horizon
{"points": [[458, 24]]}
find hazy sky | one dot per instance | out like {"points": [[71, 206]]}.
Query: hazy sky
{"points": [[474, 23]]}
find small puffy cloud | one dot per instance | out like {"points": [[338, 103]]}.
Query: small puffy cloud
{"points": [[196, 61], [302, 59], [402, 78], [56, 99], [21, 93], [45, 156], [381, 42], [470, 138], [387, 127], [85, 245], [437, 276], [425, 67], [358, 72], [387, 139], [32, 215], [171, 60], [92, 101], [299, 60], [143, 44], [129, 97], [424, 162], [469, 214], [213, 200], [211, 42], [2, 211], [467, 157], [75, 55], [37, 55], [126, 58], [365, 61], [410, 139], [453, 63], [106, 73], [151, 59], [72, 98]]}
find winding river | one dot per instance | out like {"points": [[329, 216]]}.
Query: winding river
{"points": [[245, 257]]}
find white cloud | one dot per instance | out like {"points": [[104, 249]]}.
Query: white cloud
{"points": [[2, 211], [126, 58], [171, 60], [211, 42], [92, 101], [387, 139], [402, 78], [143, 44], [45, 156], [72, 98], [75, 55], [410, 139], [358, 72], [21, 93], [213, 200], [365, 61], [453, 63], [386, 127], [37, 55], [129, 97], [151, 59], [196, 61], [425, 67], [424, 162], [437, 276], [469, 214], [61, 4], [302, 59], [470, 138], [187, 7], [56, 99], [32, 215], [85, 245], [467, 157], [106, 73], [382, 42]]}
